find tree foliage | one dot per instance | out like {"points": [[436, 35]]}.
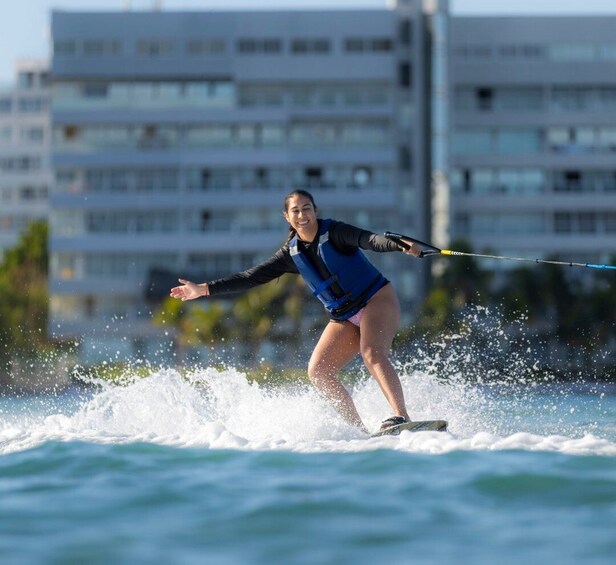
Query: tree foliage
{"points": [[24, 297], [249, 319], [576, 307]]}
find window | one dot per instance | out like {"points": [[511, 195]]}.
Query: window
{"points": [[405, 32], [609, 222], [404, 158], [520, 98], [71, 133], [95, 90], [261, 96], [484, 98], [247, 46], [245, 135], [571, 99], [364, 133], [313, 134], [508, 181], [210, 264], [567, 181], [606, 138], [352, 95], [368, 45], [6, 105], [355, 45], [32, 134], [361, 177], [404, 75], [65, 47], [155, 47], [101, 47], [516, 224], [473, 51], [563, 222], [31, 105], [523, 51], [267, 45], [211, 135], [587, 222], [576, 222], [472, 141], [566, 52], [18, 164], [272, 135], [205, 46], [310, 46], [381, 45], [607, 51], [25, 79], [28, 193], [607, 97], [313, 177], [518, 141], [301, 96], [272, 46]]}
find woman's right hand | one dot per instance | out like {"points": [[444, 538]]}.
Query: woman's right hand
{"points": [[189, 290]]}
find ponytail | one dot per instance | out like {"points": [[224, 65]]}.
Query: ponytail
{"points": [[292, 234]]}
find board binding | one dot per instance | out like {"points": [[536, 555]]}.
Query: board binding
{"points": [[417, 426]]}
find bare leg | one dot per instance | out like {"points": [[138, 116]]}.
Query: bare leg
{"points": [[378, 327], [338, 344]]}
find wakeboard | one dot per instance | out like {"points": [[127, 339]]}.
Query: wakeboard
{"points": [[417, 426]]}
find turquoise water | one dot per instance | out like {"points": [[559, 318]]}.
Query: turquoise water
{"points": [[206, 467]]}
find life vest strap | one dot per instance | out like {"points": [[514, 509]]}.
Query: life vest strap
{"points": [[324, 284]]}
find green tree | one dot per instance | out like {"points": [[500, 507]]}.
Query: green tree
{"points": [[255, 312], [526, 291], [461, 283], [204, 322], [464, 278], [24, 299], [437, 313], [249, 319]]}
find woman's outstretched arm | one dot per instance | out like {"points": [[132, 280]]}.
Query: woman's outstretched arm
{"points": [[277, 265]]}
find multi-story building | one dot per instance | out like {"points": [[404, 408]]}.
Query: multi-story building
{"points": [[176, 136], [533, 136], [25, 172]]}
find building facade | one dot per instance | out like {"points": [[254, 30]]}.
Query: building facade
{"points": [[533, 136], [25, 172], [177, 135]]}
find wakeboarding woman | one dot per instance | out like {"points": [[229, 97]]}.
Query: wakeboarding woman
{"points": [[362, 305]]}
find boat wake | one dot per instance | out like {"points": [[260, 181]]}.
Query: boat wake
{"points": [[222, 409]]}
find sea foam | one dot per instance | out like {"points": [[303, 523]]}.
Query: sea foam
{"points": [[223, 409]]}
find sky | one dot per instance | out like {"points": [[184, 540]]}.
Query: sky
{"points": [[24, 24]]}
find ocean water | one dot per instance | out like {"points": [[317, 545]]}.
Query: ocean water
{"points": [[207, 467]]}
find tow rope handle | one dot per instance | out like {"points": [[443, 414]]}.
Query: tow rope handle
{"points": [[398, 237]]}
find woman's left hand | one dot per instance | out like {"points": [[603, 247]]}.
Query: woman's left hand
{"points": [[413, 248]]}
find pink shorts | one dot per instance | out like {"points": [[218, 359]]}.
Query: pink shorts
{"points": [[355, 319]]}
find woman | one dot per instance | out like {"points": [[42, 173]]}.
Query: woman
{"points": [[362, 304]]}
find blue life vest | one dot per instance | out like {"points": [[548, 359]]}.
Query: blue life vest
{"points": [[353, 274]]}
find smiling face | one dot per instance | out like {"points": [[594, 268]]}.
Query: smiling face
{"points": [[302, 216]]}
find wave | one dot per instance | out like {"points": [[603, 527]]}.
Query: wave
{"points": [[222, 409]]}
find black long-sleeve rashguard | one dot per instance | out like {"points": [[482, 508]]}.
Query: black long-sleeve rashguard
{"points": [[344, 237]]}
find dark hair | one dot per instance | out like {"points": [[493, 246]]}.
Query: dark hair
{"points": [[298, 192]]}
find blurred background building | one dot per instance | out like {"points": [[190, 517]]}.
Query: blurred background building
{"points": [[533, 136], [25, 134], [177, 135]]}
